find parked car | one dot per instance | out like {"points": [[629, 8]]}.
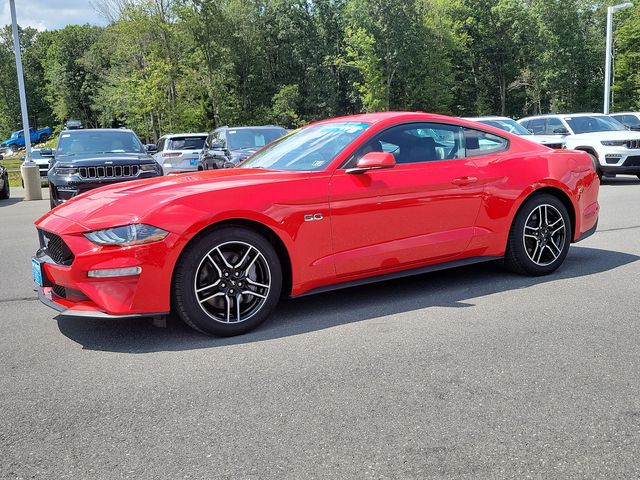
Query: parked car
{"points": [[73, 125], [613, 148], [228, 146], [631, 120], [43, 162], [340, 202], [90, 158], [509, 125], [180, 152], [16, 141], [4, 182]]}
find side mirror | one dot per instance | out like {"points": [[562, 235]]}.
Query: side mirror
{"points": [[373, 161], [46, 152], [229, 165], [152, 148], [561, 131]]}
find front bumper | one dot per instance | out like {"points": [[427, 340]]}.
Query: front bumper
{"points": [[63, 188], [69, 290]]}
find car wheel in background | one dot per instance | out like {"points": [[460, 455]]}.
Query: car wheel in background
{"points": [[540, 236], [5, 192], [43, 138], [596, 165], [227, 282]]}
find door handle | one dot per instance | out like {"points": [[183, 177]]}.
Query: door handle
{"points": [[461, 181]]}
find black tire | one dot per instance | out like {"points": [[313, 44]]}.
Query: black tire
{"points": [[52, 204], [5, 193], [596, 165], [197, 268], [43, 138], [531, 237]]}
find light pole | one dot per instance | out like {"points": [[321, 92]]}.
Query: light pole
{"points": [[607, 66], [29, 170]]}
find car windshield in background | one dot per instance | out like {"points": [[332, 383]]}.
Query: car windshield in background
{"points": [[241, 138], [84, 142], [309, 149], [598, 123], [186, 143], [510, 126]]}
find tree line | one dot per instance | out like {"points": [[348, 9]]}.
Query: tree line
{"points": [[163, 66]]}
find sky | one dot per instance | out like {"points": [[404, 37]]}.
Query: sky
{"points": [[50, 14]]}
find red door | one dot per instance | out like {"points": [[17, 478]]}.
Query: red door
{"points": [[422, 210]]}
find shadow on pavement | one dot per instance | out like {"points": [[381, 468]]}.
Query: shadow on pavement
{"points": [[621, 180], [449, 288]]}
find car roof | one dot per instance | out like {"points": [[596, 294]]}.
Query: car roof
{"points": [[564, 115], [171, 135], [90, 130], [625, 113], [479, 119]]}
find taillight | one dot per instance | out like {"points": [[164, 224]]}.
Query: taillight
{"points": [[171, 154]]}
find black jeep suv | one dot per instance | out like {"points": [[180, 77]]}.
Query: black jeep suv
{"points": [[86, 159]]}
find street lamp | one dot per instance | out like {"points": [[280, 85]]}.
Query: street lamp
{"points": [[607, 66], [29, 170]]}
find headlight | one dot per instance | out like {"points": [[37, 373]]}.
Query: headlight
{"points": [[148, 167], [127, 235], [613, 143], [66, 170]]}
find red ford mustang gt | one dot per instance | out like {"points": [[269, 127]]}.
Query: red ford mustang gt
{"points": [[340, 202]]}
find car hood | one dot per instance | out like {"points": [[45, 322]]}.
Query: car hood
{"points": [[103, 159], [616, 135], [131, 202]]}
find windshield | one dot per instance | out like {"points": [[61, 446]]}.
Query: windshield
{"points": [[600, 123], [252, 138], [186, 143], [308, 149], [630, 121], [507, 125], [84, 142]]}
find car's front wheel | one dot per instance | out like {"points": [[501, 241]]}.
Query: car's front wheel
{"points": [[227, 282], [540, 236], [5, 193]]}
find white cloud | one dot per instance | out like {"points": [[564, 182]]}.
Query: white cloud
{"points": [[50, 14]]}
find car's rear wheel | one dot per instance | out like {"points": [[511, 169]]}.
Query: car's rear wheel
{"points": [[227, 282], [5, 193], [540, 236]]}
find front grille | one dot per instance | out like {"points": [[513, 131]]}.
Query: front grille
{"points": [[109, 171], [633, 161], [634, 144], [56, 248], [59, 291]]}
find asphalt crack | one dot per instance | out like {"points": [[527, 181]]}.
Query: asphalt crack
{"points": [[17, 299]]}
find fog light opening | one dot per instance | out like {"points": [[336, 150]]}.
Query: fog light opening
{"points": [[114, 272]]}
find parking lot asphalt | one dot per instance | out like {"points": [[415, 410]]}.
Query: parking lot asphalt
{"points": [[469, 373]]}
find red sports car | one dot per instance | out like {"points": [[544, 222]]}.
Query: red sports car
{"points": [[340, 202]]}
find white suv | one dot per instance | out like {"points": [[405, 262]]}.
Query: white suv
{"points": [[180, 152], [614, 148], [511, 126]]}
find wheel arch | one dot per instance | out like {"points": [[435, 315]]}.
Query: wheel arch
{"points": [[560, 195], [258, 227]]}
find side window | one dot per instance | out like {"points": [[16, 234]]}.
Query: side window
{"points": [[482, 143], [554, 126], [160, 145], [536, 126], [526, 124], [416, 143], [219, 138]]}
